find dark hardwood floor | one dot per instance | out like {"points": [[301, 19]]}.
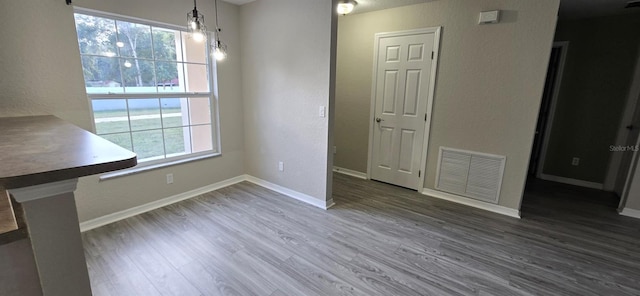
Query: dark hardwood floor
{"points": [[377, 240]]}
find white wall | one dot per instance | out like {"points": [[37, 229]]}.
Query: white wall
{"points": [[286, 58], [488, 88], [40, 72]]}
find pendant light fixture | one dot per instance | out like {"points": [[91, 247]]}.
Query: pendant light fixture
{"points": [[195, 24], [218, 49], [346, 6]]}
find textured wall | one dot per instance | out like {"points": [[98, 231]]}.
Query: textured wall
{"points": [[40, 72], [286, 55], [488, 88], [595, 87]]}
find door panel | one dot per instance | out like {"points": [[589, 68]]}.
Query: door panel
{"points": [[390, 91], [385, 143], [401, 92], [412, 92], [407, 141]]}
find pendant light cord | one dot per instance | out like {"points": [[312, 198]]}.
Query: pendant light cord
{"points": [[215, 3]]}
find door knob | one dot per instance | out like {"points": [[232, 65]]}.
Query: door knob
{"points": [[378, 119]]}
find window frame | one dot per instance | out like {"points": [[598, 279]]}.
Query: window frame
{"points": [[212, 94]]}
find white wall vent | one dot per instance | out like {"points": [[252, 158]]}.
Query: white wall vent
{"points": [[471, 174]]}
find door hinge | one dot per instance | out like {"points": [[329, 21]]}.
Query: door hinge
{"points": [[419, 173], [432, 53]]}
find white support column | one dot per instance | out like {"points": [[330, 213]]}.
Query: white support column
{"points": [[52, 222]]}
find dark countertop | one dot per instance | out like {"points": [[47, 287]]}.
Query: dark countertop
{"points": [[43, 149]]}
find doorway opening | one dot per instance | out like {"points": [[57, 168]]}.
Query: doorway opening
{"points": [[547, 108]]}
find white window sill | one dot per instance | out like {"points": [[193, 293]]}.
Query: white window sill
{"points": [[141, 167]]}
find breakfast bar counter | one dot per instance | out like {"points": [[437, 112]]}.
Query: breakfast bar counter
{"points": [[41, 159]]}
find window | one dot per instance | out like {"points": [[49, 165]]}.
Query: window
{"points": [[149, 86]]}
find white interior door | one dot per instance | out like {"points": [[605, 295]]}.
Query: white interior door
{"points": [[401, 92]]}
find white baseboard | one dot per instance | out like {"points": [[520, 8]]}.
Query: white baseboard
{"points": [[114, 217], [571, 181], [472, 203], [117, 216], [349, 172], [292, 193], [630, 213]]}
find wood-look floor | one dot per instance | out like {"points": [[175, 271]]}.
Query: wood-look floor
{"points": [[377, 240], [7, 219]]}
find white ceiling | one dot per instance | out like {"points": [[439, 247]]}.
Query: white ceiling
{"points": [[372, 5], [363, 5], [569, 9]]}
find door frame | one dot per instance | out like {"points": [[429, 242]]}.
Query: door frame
{"points": [[564, 48], [611, 182], [430, 95], [629, 178]]}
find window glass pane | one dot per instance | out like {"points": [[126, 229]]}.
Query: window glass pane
{"points": [[123, 140], [136, 62], [144, 114], [164, 44], [168, 75], [101, 74], [194, 51], [148, 144], [135, 40], [174, 112], [201, 138], [196, 78], [177, 141], [96, 35], [200, 111], [138, 76], [110, 116]]}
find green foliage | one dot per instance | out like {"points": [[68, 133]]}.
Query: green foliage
{"points": [[146, 55]]}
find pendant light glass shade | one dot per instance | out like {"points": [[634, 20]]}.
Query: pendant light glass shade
{"points": [[195, 24], [218, 49]]}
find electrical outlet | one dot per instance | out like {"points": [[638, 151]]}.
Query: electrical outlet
{"points": [[575, 161], [323, 111], [169, 178], [281, 166], [335, 149]]}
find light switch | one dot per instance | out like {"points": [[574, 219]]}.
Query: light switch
{"points": [[323, 111]]}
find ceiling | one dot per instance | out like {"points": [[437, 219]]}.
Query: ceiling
{"points": [[372, 5], [569, 9], [579, 9]]}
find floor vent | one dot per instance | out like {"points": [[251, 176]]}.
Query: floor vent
{"points": [[471, 174]]}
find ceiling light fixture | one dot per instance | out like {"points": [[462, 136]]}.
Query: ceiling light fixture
{"points": [[218, 49], [346, 6], [195, 24]]}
